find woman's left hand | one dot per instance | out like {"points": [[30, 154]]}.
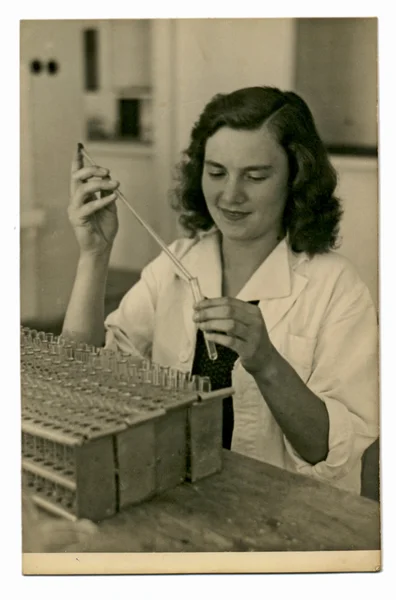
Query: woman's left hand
{"points": [[237, 325]]}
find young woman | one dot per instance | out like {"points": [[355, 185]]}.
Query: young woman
{"points": [[294, 325]]}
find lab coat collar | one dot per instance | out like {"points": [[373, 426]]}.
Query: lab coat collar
{"points": [[203, 261], [276, 284], [273, 278]]}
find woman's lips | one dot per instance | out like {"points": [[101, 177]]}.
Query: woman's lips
{"points": [[234, 215]]}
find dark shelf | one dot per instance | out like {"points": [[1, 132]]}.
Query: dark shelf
{"points": [[345, 150]]}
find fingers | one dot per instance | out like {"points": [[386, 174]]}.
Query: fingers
{"points": [[230, 322], [106, 192], [87, 190], [237, 325], [232, 304], [228, 326], [225, 308], [81, 174], [84, 173], [91, 207], [225, 340], [214, 312]]}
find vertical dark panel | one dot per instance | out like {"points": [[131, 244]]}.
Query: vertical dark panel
{"points": [[91, 70], [129, 118]]}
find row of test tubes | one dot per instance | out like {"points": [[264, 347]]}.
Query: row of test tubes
{"points": [[57, 457], [87, 375], [52, 355], [53, 492]]}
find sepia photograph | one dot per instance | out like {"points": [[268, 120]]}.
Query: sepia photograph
{"points": [[199, 296]]}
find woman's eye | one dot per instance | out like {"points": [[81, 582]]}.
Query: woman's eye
{"points": [[215, 174], [252, 177]]}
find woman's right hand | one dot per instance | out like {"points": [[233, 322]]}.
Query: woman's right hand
{"points": [[94, 219]]}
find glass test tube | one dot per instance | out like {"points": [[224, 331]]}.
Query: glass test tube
{"points": [[204, 384], [194, 383], [210, 346]]}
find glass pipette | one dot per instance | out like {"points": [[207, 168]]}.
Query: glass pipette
{"points": [[194, 284]]}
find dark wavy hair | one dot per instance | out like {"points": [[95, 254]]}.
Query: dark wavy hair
{"points": [[312, 212]]}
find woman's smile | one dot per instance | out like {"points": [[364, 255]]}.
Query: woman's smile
{"points": [[233, 215]]}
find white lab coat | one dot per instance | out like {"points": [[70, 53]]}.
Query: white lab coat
{"points": [[319, 316]]}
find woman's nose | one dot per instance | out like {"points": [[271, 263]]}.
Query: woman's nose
{"points": [[232, 192]]}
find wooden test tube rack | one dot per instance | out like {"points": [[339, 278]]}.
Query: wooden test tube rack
{"points": [[102, 431]]}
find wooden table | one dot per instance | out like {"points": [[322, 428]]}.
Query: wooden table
{"points": [[249, 506]]}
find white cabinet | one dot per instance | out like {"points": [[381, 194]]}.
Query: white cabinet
{"points": [[51, 126]]}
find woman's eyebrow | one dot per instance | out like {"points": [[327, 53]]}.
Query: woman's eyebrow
{"points": [[258, 168], [212, 163]]}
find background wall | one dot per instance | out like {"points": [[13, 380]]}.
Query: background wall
{"points": [[221, 55], [178, 65], [358, 190], [336, 73]]}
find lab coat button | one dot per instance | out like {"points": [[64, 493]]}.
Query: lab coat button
{"points": [[184, 355]]}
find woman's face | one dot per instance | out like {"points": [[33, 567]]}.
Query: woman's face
{"points": [[245, 182]]}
